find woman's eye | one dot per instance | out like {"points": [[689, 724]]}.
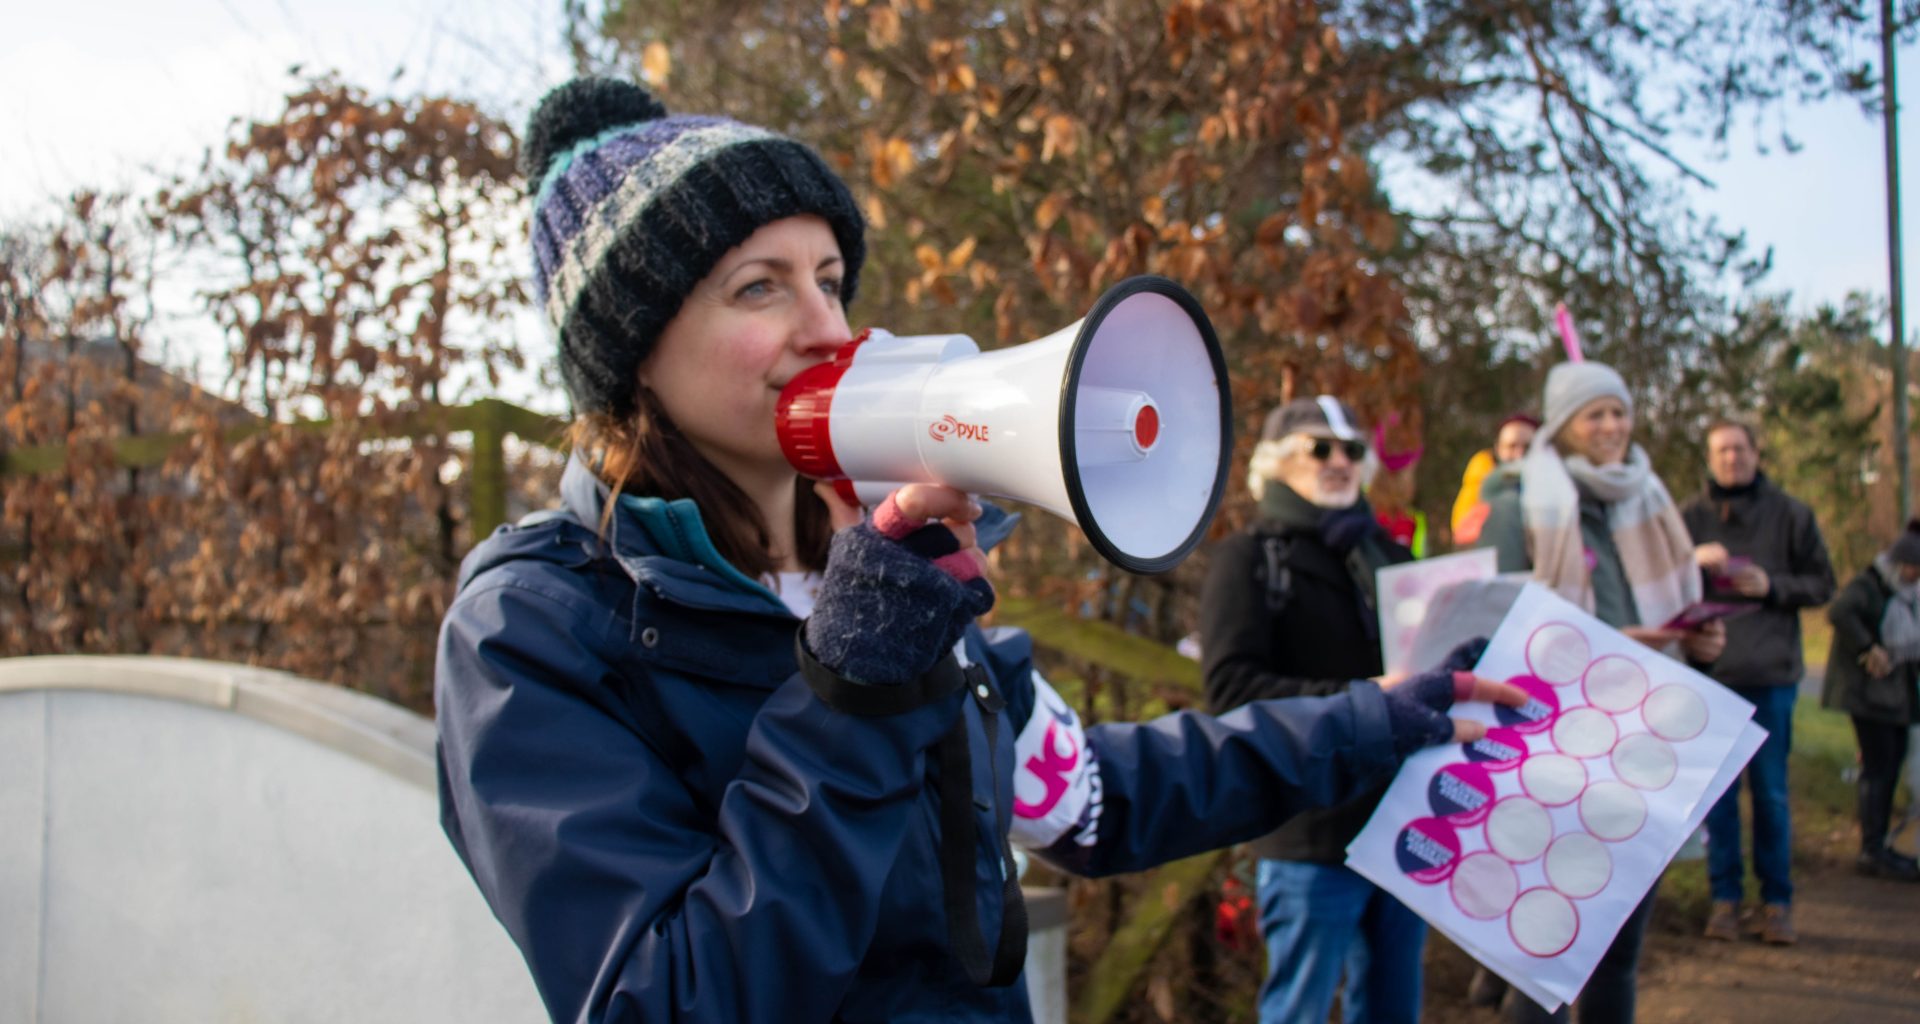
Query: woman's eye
{"points": [[755, 289], [831, 286]]}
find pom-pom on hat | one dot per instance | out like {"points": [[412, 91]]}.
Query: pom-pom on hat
{"points": [[633, 207]]}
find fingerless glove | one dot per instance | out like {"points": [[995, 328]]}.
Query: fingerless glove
{"points": [[896, 597], [1417, 709]]}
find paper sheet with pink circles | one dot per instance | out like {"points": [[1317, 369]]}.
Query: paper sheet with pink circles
{"points": [[1529, 848]]}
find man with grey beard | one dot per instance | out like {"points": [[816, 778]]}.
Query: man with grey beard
{"points": [[1288, 611]]}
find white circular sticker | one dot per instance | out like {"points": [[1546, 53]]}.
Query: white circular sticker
{"points": [[1410, 613], [1645, 762], [1612, 811], [1615, 683], [1675, 712], [1557, 653], [1484, 886], [1543, 922], [1584, 732], [1519, 829], [1553, 779], [1578, 865]]}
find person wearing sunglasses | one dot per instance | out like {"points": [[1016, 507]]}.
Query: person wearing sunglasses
{"points": [[1288, 610]]}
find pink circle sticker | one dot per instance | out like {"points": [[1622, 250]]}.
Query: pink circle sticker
{"points": [[1615, 683], [1578, 865], [1427, 850], [1499, 749], [1537, 713], [1519, 829], [1484, 886], [1553, 779], [1543, 922], [1674, 712], [1645, 762], [1462, 793], [1584, 732], [1612, 811], [1557, 653]]}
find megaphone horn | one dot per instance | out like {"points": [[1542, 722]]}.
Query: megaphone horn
{"points": [[1121, 423]]}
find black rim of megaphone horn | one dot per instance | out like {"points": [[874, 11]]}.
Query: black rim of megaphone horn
{"points": [[1070, 386]]}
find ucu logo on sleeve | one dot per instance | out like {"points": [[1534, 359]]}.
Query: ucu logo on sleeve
{"points": [[1054, 788]]}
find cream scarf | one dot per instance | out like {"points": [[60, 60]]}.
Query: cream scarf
{"points": [[1655, 548]]}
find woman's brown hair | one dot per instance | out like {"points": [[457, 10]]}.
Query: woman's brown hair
{"points": [[646, 454]]}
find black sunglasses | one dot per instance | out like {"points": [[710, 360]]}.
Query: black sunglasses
{"points": [[1323, 449]]}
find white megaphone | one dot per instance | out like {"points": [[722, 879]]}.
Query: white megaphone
{"points": [[1120, 423]]}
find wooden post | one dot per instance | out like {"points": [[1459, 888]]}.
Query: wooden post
{"points": [[1116, 974], [487, 473]]}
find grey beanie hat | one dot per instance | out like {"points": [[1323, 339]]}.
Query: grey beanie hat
{"points": [[1570, 386]]}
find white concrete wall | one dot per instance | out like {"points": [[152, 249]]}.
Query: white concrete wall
{"points": [[187, 842], [194, 853], [1047, 955]]}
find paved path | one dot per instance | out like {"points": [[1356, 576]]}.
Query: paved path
{"points": [[1858, 962]]}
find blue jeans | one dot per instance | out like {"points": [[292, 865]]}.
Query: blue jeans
{"points": [[1766, 776], [1320, 920]]}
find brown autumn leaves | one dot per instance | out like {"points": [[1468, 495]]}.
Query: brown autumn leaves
{"points": [[362, 257]]}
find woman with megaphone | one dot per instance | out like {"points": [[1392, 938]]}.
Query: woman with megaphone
{"points": [[717, 746]]}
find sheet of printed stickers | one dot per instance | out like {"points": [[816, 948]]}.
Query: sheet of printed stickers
{"points": [[1530, 848]]}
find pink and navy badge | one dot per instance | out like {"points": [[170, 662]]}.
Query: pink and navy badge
{"points": [[1461, 793], [1427, 850], [1537, 713], [1499, 749]]}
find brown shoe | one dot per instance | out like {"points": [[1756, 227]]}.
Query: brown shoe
{"points": [[1723, 922], [1776, 925]]}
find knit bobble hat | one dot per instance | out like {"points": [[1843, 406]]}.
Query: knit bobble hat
{"points": [[633, 207]]}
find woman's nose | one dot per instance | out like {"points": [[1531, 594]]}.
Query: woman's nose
{"points": [[822, 325]]}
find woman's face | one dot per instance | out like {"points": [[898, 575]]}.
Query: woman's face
{"points": [[1601, 431], [769, 309], [1511, 445]]}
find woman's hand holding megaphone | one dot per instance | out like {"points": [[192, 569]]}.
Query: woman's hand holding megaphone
{"points": [[956, 510], [900, 587]]}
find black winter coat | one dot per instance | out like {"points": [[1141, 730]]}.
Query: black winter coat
{"points": [[1855, 615], [1318, 644], [1781, 536]]}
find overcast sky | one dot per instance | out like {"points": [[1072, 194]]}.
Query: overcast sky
{"points": [[91, 91]]}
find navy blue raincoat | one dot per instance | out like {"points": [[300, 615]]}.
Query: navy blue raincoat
{"points": [[673, 827]]}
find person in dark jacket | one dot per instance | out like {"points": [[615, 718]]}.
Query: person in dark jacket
{"points": [[716, 746], [1756, 544], [1591, 520], [1872, 672], [1287, 610]]}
